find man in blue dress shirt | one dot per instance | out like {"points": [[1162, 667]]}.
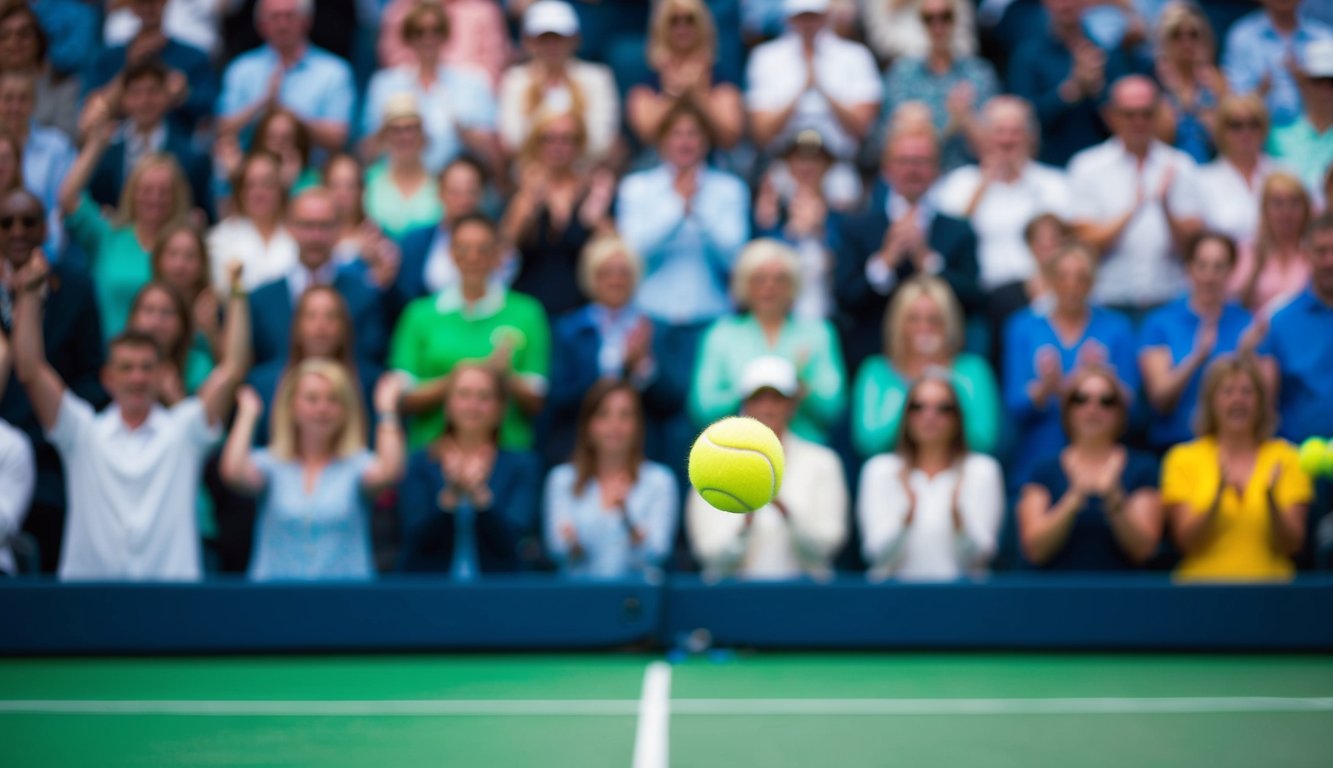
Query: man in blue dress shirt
{"points": [[1263, 48]]}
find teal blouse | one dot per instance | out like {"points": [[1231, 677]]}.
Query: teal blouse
{"points": [[881, 392], [117, 264], [397, 215]]}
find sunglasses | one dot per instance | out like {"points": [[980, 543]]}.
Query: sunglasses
{"points": [[558, 138], [1136, 114], [929, 19], [1184, 33], [1244, 125], [423, 31], [682, 19], [1105, 401], [28, 221], [944, 409]]}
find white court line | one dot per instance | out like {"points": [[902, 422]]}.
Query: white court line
{"points": [[651, 738], [667, 707]]}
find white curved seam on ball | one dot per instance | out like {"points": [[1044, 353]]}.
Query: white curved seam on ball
{"points": [[733, 496], [772, 471]]}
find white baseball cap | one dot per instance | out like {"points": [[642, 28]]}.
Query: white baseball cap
{"points": [[798, 7], [769, 372], [550, 16], [1317, 58]]}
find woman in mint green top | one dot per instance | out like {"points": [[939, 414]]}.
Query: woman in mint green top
{"points": [[155, 198], [476, 319], [923, 330], [764, 285], [401, 195]]}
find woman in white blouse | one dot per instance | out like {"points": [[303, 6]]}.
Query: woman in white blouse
{"points": [[254, 234], [1232, 184], [931, 510]]}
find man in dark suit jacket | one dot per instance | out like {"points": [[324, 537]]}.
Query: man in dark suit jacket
{"points": [[888, 244], [314, 226], [72, 337], [144, 101]]}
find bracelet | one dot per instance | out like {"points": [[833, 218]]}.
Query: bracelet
{"points": [[238, 293], [388, 418]]}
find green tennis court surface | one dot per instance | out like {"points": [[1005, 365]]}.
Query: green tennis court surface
{"points": [[609, 710]]}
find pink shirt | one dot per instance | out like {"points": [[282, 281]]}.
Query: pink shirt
{"points": [[478, 37], [1278, 283]]}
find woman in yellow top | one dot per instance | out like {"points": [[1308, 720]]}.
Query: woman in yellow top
{"points": [[1236, 497]]}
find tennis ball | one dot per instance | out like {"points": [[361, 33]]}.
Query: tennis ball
{"points": [[1312, 456], [736, 464]]}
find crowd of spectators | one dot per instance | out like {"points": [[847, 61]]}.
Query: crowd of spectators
{"points": [[1019, 284]]}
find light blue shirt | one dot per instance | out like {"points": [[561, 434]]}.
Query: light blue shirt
{"points": [[687, 257], [458, 99], [652, 507], [321, 534], [47, 159], [1254, 49], [318, 87]]}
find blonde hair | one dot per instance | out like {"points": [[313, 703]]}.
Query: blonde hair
{"points": [[1176, 14], [937, 291], [181, 197], [529, 153], [761, 253], [659, 53], [282, 427], [1280, 182], [1233, 106], [600, 250], [1221, 369]]}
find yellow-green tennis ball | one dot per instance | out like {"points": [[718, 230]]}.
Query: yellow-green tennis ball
{"points": [[1312, 456], [736, 464]]}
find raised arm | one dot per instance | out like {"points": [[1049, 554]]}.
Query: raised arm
{"points": [[217, 391], [237, 468], [390, 448], [44, 387], [76, 181]]}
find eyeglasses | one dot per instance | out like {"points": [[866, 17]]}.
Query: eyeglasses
{"points": [[943, 409], [681, 19], [1241, 124], [1184, 33], [944, 17], [28, 221], [1105, 401]]}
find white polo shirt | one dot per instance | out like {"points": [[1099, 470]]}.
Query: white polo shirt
{"points": [[131, 492], [17, 477], [777, 76], [1230, 205], [1141, 268]]}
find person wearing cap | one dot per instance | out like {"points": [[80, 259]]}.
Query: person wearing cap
{"points": [[1306, 145], [456, 105], [801, 531], [764, 287], [811, 78], [553, 81], [400, 190], [1263, 55], [288, 70]]}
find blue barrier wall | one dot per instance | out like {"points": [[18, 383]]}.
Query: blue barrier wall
{"points": [[529, 613]]}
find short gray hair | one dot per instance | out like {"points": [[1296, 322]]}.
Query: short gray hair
{"points": [[304, 7], [757, 254]]}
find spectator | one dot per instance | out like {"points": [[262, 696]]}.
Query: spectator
{"points": [[72, 332], [190, 87], [688, 221], [23, 48], [610, 513], [682, 52], [553, 82], [193, 22], [160, 313], [180, 261], [895, 30], [931, 510], [802, 529], [1064, 74], [1045, 236], [11, 164], [457, 106], [1261, 52], [255, 232], [478, 318], [142, 99], [1230, 185], [1041, 349], [954, 87], [133, 471], [1136, 203], [923, 335], [1306, 143], [281, 132], [316, 479], [1182, 338], [908, 235], [559, 206], [18, 473], [288, 70], [478, 36], [315, 228], [1273, 270], [811, 78], [1236, 497], [400, 190], [610, 338], [1093, 505], [999, 196], [361, 244], [48, 155], [1300, 343], [71, 26], [764, 287], [467, 502], [1191, 84], [156, 197]]}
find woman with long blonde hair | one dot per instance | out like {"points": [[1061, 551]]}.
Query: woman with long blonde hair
{"points": [[1191, 82], [1275, 269]]}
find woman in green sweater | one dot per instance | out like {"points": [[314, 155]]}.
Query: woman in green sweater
{"points": [[764, 286], [155, 199], [476, 319], [923, 330]]}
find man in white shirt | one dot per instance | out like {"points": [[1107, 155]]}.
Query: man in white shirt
{"points": [[132, 471], [811, 78], [1136, 201], [800, 531]]}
